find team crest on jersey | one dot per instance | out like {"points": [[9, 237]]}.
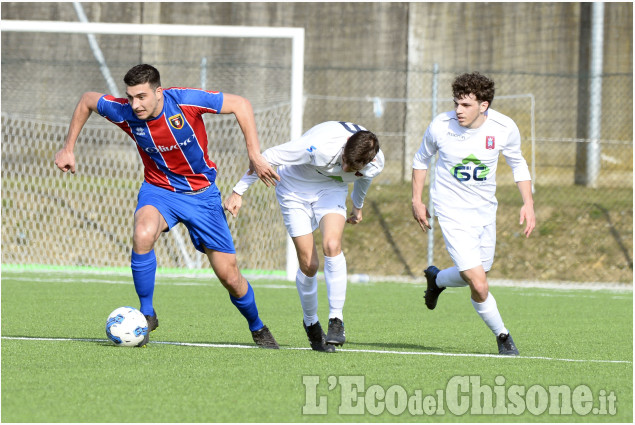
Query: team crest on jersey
{"points": [[489, 142], [176, 121]]}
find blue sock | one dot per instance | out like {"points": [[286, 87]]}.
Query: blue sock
{"points": [[144, 267], [247, 307]]}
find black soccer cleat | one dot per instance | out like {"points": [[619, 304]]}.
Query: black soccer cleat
{"points": [[317, 339], [264, 339], [153, 321], [506, 345], [336, 334], [432, 293]]}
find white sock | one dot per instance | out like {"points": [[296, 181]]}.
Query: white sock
{"points": [[307, 289], [450, 277], [335, 276], [488, 310]]}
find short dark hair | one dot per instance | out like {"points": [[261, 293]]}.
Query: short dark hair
{"points": [[474, 83], [360, 149], [141, 74]]}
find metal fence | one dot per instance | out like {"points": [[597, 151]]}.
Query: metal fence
{"points": [[551, 110]]}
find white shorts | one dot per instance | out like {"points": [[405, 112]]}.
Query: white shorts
{"points": [[302, 212], [469, 246]]}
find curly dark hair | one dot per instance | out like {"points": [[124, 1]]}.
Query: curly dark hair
{"points": [[360, 149], [141, 74], [474, 83]]}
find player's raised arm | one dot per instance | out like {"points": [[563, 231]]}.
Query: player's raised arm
{"points": [[64, 158], [241, 108]]}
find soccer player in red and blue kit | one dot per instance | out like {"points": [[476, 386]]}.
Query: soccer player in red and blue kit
{"points": [[168, 128]]}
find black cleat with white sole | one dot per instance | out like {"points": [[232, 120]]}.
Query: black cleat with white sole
{"points": [[317, 339], [506, 345], [336, 334]]}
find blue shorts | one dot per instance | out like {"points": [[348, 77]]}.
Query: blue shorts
{"points": [[202, 213]]}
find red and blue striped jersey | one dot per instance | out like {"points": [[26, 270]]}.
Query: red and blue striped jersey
{"points": [[172, 146]]}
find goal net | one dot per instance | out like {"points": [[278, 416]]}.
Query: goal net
{"points": [[86, 219]]}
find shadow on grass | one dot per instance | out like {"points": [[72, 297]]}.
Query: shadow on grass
{"points": [[351, 345], [393, 346]]}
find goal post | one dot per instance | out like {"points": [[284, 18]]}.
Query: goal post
{"points": [[22, 237], [295, 34]]}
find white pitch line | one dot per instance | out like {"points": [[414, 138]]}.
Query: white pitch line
{"points": [[348, 350]]}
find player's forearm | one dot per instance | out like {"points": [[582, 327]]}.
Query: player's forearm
{"points": [[245, 182], [525, 191], [418, 182], [360, 188], [82, 112], [245, 116]]}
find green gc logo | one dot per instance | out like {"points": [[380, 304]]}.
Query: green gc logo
{"points": [[478, 173]]}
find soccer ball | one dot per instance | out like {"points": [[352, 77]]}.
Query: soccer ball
{"points": [[126, 327]]}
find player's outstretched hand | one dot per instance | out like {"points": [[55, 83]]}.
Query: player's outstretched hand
{"points": [[355, 217], [65, 160], [233, 203], [264, 170], [421, 214]]}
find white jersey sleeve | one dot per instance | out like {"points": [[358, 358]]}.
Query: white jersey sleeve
{"points": [[360, 187], [313, 162], [426, 152], [514, 157], [291, 153]]}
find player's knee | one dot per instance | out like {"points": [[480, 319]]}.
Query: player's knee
{"points": [[309, 267], [332, 247], [480, 289], [234, 283], [143, 238]]}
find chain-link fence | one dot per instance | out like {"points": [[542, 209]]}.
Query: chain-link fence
{"points": [[584, 231], [44, 75]]}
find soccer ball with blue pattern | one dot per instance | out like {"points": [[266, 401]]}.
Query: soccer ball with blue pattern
{"points": [[126, 327]]}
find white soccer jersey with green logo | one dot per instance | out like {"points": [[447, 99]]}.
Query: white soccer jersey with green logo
{"points": [[313, 163], [464, 187]]}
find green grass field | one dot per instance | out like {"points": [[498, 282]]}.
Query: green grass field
{"points": [[402, 363]]}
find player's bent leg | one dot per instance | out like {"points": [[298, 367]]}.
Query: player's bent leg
{"points": [[332, 229], [306, 277], [308, 260], [306, 282], [450, 277], [335, 274], [476, 278], [148, 226], [225, 267], [486, 307], [241, 295]]}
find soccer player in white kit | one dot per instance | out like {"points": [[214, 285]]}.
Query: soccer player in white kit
{"points": [[468, 141], [315, 171]]}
